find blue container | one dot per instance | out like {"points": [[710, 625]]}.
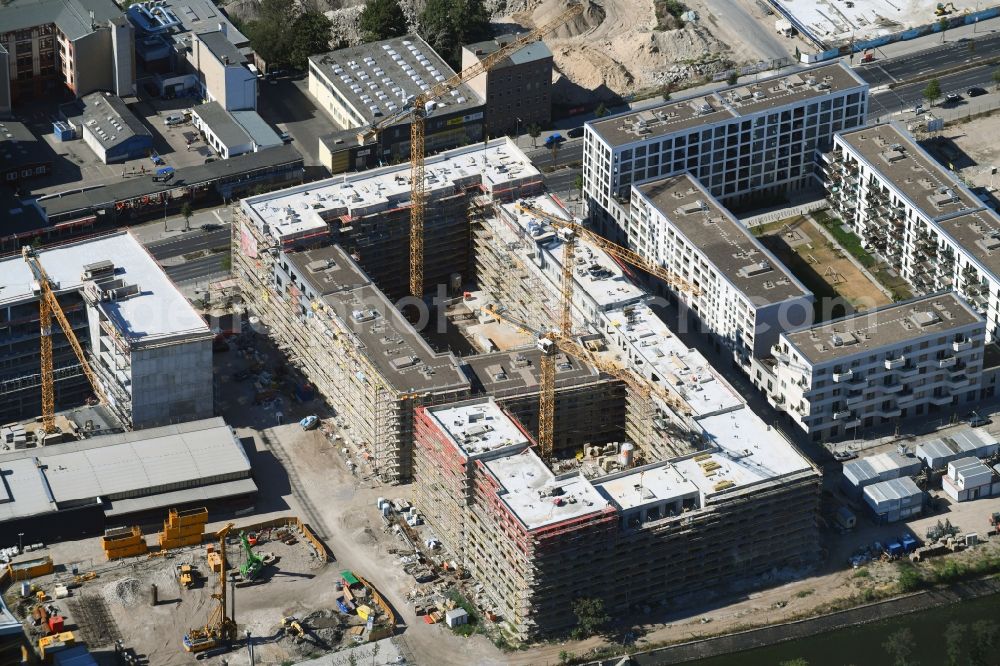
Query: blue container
{"points": [[63, 131]]}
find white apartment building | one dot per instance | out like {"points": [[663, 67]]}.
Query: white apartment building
{"points": [[745, 296], [903, 360], [916, 216], [740, 142]]}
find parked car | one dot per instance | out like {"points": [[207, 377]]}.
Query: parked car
{"points": [[285, 137], [574, 133], [211, 226], [173, 119], [952, 98], [975, 91], [976, 421], [309, 422], [554, 138]]}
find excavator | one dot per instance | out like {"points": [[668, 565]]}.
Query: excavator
{"points": [[253, 563]]}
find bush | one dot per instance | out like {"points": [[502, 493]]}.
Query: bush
{"points": [[909, 578]]}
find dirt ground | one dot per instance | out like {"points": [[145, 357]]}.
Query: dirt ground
{"points": [[977, 139], [800, 244]]}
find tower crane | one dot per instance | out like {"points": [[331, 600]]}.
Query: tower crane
{"points": [[48, 306], [220, 628], [416, 110], [551, 341]]}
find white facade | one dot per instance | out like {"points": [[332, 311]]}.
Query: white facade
{"points": [[968, 479], [904, 360], [745, 297], [916, 216], [743, 141]]}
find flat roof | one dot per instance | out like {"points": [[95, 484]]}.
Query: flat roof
{"points": [[377, 79], [105, 197], [229, 132], [887, 326], [978, 234], [390, 342], [19, 216], [108, 118], [891, 151], [536, 497], [497, 166], [159, 311], [129, 465], [516, 372], [259, 130], [18, 146], [192, 15], [220, 46], [537, 50], [735, 101], [727, 244], [72, 17], [478, 426]]}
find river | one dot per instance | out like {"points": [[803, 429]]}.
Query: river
{"points": [[864, 644]]}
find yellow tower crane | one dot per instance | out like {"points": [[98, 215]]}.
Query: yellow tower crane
{"points": [[220, 628], [416, 110], [48, 306], [549, 342]]}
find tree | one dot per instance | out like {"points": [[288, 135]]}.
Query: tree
{"points": [[311, 32], [382, 19], [600, 111], [933, 91], [954, 637], [590, 616], [534, 131], [733, 79], [187, 212], [447, 24], [899, 646], [578, 182], [943, 24], [270, 33], [996, 78]]}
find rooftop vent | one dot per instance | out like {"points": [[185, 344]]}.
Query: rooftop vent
{"points": [[925, 318]]}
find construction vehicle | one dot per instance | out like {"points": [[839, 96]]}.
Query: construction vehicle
{"points": [[252, 562], [945, 9], [416, 110], [185, 575], [220, 628], [551, 342], [48, 306], [293, 627]]}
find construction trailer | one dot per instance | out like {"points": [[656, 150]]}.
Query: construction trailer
{"points": [[536, 541], [894, 500]]}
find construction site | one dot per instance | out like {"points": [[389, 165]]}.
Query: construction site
{"points": [[564, 421]]}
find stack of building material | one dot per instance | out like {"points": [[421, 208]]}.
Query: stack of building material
{"points": [[123, 542], [183, 528], [30, 568], [13, 437]]}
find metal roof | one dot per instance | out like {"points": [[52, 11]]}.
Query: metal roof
{"points": [[262, 134], [528, 53], [72, 17], [107, 117], [229, 132]]}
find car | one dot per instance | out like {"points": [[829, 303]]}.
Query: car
{"points": [[975, 92], [554, 138], [285, 137], [211, 226], [952, 98], [173, 119], [575, 133], [309, 422], [977, 421]]}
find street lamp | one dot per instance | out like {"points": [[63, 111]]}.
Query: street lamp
{"points": [[20, 542], [517, 132], [164, 213]]}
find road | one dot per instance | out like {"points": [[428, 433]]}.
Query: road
{"points": [[193, 241], [909, 95], [198, 269], [938, 58]]}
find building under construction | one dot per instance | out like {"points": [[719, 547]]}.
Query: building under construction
{"points": [[659, 481], [151, 351]]}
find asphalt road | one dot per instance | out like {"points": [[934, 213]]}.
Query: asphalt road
{"points": [[193, 241], [909, 95], [570, 150], [561, 181], [944, 56], [197, 269]]}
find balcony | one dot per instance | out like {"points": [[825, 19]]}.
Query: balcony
{"points": [[855, 399], [946, 362], [895, 387], [905, 398], [895, 363], [940, 400], [962, 346], [842, 414], [843, 376], [853, 423], [889, 413]]}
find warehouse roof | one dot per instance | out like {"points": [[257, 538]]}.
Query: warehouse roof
{"points": [[222, 124], [881, 465], [739, 257], [72, 17], [376, 80], [263, 135], [108, 118], [967, 441], [881, 328], [158, 311], [122, 466], [331, 278], [893, 490], [736, 101]]}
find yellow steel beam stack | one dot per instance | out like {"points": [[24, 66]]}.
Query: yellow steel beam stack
{"points": [[183, 528], [123, 542]]}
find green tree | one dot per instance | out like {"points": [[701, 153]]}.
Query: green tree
{"points": [[382, 19], [943, 24], [932, 92], [565, 657], [187, 212], [996, 77], [733, 79], [954, 638], [447, 24], [590, 617], [534, 131], [600, 111], [899, 646], [311, 32], [270, 34], [667, 90], [578, 182]]}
